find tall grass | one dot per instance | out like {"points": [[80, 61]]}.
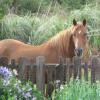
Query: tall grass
{"points": [[38, 29], [35, 28], [77, 90]]}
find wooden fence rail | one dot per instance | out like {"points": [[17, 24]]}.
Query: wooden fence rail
{"points": [[48, 76]]}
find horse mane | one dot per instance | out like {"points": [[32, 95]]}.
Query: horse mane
{"points": [[63, 43]]}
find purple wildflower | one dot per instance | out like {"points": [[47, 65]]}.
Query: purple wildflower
{"points": [[27, 95], [5, 73]]}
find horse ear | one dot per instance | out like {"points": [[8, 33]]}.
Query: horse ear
{"points": [[74, 22], [84, 22]]}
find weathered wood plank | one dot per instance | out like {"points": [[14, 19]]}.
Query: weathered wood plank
{"points": [[4, 61], [60, 70], [26, 74], [86, 71], [77, 67], [13, 64], [33, 71], [95, 69], [51, 77], [94, 61], [23, 63], [40, 73], [68, 70]]}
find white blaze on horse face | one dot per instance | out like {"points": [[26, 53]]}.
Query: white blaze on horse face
{"points": [[79, 32], [77, 40], [76, 43]]}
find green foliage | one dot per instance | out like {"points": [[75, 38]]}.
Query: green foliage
{"points": [[28, 5], [4, 6], [77, 90], [41, 5], [17, 27], [38, 28], [74, 4], [30, 27], [12, 88], [47, 29]]}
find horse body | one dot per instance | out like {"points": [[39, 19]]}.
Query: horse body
{"points": [[13, 49], [32, 52], [51, 50], [62, 44]]}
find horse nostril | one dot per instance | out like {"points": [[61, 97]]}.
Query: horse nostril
{"points": [[78, 52]]}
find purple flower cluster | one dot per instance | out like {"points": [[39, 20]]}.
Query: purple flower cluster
{"points": [[28, 95], [5, 72], [25, 91]]}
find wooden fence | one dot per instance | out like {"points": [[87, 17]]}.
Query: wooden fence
{"points": [[48, 76]]}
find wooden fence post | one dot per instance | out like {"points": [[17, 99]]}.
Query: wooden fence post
{"points": [[95, 69], [60, 71], [23, 68], [51, 76], [4, 61], [33, 71], [40, 74], [86, 71], [68, 69], [77, 67], [13, 64]]}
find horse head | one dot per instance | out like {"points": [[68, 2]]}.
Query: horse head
{"points": [[79, 36]]}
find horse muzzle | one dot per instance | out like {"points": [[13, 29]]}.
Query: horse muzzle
{"points": [[78, 52]]}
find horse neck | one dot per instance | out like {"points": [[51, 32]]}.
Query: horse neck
{"points": [[63, 44]]}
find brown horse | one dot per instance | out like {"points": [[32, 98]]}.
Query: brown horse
{"points": [[67, 43]]}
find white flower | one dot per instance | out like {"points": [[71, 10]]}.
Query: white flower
{"points": [[61, 87], [57, 81], [34, 98], [15, 72]]}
